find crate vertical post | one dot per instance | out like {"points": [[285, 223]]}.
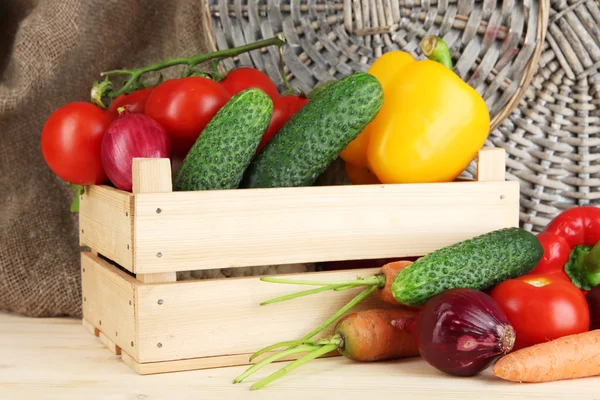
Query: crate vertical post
{"points": [[153, 175]]}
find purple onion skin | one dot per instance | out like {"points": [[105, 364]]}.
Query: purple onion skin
{"points": [[132, 136], [462, 331], [593, 300]]}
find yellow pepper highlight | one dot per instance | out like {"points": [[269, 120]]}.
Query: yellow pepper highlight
{"points": [[431, 124]]}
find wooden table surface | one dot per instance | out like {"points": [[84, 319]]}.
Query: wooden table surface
{"points": [[59, 359]]}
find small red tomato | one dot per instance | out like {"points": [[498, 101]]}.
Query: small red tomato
{"points": [[284, 107], [542, 307], [135, 102], [184, 106], [71, 141], [243, 78]]}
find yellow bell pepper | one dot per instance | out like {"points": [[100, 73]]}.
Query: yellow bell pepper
{"points": [[431, 124]]}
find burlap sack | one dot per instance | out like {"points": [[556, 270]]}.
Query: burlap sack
{"points": [[51, 51]]}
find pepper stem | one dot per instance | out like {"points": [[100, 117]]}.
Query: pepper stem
{"points": [[435, 49], [583, 266]]}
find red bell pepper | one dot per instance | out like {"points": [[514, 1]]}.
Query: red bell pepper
{"points": [[571, 246]]}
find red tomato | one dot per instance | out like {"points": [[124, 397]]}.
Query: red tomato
{"points": [[283, 109], [135, 102], [245, 77], [71, 140], [184, 106], [542, 307]]}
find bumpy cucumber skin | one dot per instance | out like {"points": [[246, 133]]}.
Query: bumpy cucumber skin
{"points": [[315, 136], [478, 263], [227, 144]]}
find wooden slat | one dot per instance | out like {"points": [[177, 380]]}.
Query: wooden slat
{"points": [[112, 346], [491, 165], [202, 363], [233, 228], [151, 175], [109, 302], [206, 318], [106, 223]]}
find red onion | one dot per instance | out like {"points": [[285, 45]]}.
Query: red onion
{"points": [[593, 300], [132, 136], [460, 331]]}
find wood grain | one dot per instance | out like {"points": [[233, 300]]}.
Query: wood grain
{"points": [[491, 165], [109, 303], [56, 358], [106, 223], [235, 228], [206, 318], [151, 175]]}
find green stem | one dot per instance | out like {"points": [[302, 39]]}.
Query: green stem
{"points": [[583, 266], [371, 280], [290, 367], [280, 344], [282, 71], [79, 190], [434, 48], [357, 299], [134, 74], [296, 295], [274, 357]]}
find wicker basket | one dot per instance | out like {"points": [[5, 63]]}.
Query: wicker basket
{"points": [[495, 44], [552, 139]]}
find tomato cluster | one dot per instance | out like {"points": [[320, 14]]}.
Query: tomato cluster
{"points": [[72, 136]]}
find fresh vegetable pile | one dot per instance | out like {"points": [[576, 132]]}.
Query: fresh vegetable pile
{"points": [[234, 130], [506, 299], [528, 304]]}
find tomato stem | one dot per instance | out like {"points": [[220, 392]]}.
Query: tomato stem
{"points": [[135, 74], [434, 48], [79, 190], [282, 71]]}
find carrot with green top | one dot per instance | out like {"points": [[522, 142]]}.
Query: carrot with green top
{"points": [[568, 357], [365, 336]]}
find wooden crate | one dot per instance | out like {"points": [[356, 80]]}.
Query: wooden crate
{"points": [[133, 302]]}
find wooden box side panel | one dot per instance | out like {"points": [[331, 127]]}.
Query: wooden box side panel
{"points": [[109, 301], [236, 228], [106, 223], [184, 320]]}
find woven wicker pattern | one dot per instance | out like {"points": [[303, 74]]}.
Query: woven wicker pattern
{"points": [[553, 137], [495, 44]]}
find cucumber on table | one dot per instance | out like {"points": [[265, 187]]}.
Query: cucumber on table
{"points": [[227, 144], [477, 263], [315, 136]]}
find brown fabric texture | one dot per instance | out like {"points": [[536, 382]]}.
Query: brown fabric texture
{"points": [[51, 51]]}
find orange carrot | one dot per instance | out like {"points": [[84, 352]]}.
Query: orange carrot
{"points": [[568, 357], [365, 336]]}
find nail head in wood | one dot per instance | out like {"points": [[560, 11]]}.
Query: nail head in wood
{"points": [[126, 214], [159, 254], [129, 302], [158, 210], [159, 345], [132, 344], [160, 301], [100, 322]]}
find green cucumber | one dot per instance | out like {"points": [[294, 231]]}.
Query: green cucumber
{"points": [[227, 144], [315, 136], [477, 263]]}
